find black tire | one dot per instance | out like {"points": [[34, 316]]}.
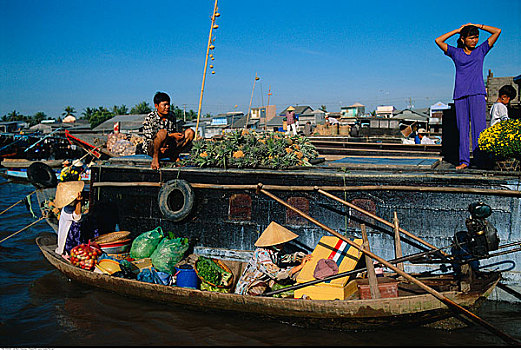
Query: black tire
{"points": [[41, 175], [176, 200]]}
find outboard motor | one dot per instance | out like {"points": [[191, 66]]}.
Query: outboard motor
{"points": [[482, 235]]}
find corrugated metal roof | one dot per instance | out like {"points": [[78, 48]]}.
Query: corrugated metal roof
{"points": [[127, 122]]}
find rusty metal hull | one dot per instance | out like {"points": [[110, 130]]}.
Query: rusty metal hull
{"points": [[350, 314]]}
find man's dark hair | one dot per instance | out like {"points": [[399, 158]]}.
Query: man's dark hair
{"points": [[465, 32], [508, 90], [161, 97]]}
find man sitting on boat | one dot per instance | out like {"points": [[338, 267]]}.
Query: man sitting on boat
{"points": [[161, 132], [263, 269]]}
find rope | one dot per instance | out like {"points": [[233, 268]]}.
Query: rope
{"points": [[20, 201], [26, 227]]}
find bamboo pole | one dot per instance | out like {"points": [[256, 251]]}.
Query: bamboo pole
{"points": [[397, 242], [451, 304], [204, 70], [484, 191], [251, 100], [371, 275], [371, 215], [26, 227]]}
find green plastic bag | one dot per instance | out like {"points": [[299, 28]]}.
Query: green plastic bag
{"points": [[145, 244], [168, 253]]}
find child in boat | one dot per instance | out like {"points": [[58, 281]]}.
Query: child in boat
{"points": [[263, 269], [69, 199], [499, 111], [469, 88]]}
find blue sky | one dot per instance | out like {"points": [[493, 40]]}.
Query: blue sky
{"points": [[104, 53]]}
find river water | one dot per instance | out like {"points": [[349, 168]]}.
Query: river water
{"points": [[39, 307]]}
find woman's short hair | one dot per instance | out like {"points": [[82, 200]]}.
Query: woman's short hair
{"points": [[466, 31]]}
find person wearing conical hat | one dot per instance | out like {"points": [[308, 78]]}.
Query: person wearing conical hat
{"points": [[291, 121], [68, 199], [264, 268]]}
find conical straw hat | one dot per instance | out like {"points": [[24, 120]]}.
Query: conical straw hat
{"points": [[274, 234], [67, 192], [291, 108]]}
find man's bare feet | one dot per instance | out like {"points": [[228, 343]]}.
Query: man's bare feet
{"points": [[462, 166], [155, 163]]}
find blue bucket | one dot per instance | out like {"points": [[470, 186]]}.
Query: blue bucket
{"points": [[186, 277]]}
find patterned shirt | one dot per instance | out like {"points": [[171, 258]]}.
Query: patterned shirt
{"points": [[263, 269], [153, 123]]}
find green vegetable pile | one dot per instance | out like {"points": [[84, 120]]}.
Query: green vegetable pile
{"points": [[248, 149], [210, 272]]}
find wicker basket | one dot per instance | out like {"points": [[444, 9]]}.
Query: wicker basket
{"points": [[510, 164], [221, 265], [112, 237]]}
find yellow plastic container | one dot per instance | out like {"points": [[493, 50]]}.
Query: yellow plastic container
{"points": [[345, 256]]}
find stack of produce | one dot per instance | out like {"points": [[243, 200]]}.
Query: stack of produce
{"points": [[247, 149], [113, 138], [214, 275], [84, 256]]}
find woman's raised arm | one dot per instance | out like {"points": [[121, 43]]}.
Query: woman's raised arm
{"points": [[440, 41], [492, 30]]}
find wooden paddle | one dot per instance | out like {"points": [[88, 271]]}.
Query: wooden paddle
{"points": [[451, 304]]}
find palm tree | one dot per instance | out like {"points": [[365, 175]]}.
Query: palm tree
{"points": [[141, 108], [68, 110], [87, 113], [120, 110]]}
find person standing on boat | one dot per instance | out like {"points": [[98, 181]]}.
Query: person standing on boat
{"points": [[291, 121], [74, 228], [161, 133], [263, 269], [469, 88], [69, 200]]}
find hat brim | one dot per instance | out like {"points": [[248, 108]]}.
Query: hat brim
{"points": [[67, 192]]}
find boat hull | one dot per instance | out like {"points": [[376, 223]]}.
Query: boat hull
{"points": [[350, 314]]}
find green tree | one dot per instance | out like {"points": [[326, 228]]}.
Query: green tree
{"points": [[68, 110], [120, 110], [87, 113], [37, 118], [99, 116], [141, 108], [323, 108], [14, 116]]}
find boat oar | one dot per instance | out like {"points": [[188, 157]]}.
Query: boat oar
{"points": [[451, 304], [26, 227], [20, 201], [377, 218]]}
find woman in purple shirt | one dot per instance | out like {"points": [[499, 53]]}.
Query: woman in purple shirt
{"points": [[469, 88]]}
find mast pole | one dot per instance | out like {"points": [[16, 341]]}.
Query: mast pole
{"points": [[204, 71]]}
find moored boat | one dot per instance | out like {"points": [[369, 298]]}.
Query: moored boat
{"points": [[411, 307]]}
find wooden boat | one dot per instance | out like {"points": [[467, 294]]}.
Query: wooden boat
{"points": [[412, 306]]}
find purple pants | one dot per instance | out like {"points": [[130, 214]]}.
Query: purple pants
{"points": [[472, 107]]}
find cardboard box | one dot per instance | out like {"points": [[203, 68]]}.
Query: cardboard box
{"points": [[345, 256]]}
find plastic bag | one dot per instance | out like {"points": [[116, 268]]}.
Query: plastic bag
{"points": [[149, 275], [145, 244], [168, 253]]}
